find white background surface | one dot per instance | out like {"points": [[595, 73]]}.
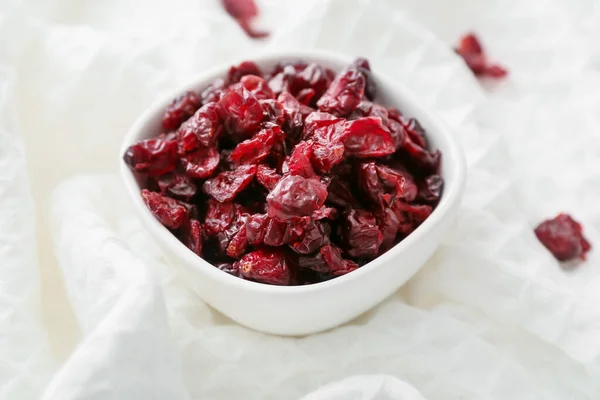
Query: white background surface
{"points": [[491, 316]]}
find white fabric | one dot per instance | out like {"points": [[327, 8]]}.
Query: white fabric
{"points": [[491, 315]]}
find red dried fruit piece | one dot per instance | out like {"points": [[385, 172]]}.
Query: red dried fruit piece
{"points": [[563, 236], [177, 186], [232, 234], [192, 236], [344, 94], [305, 96], [410, 215], [273, 111], [324, 213], [360, 234], [153, 156], [368, 137], [423, 159], [268, 177], [370, 109], [170, 212], [239, 243], [282, 81], [266, 266], [202, 163], [256, 228], [228, 184], [383, 185], [279, 233], [389, 223], [292, 114], [240, 111], [430, 189], [213, 92], [328, 261], [295, 196], [257, 149], [202, 129], [326, 132], [257, 86], [179, 110], [231, 269], [219, 217], [340, 194], [315, 236], [245, 68], [299, 161], [365, 68], [472, 52]]}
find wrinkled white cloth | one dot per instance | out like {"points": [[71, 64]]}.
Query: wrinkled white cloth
{"points": [[491, 315]]}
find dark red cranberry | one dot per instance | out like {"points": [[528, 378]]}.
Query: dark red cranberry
{"points": [[177, 186], [219, 216], [213, 92], [170, 212], [153, 156], [257, 86], [471, 50], [227, 185], [240, 111], [299, 162], [344, 94], [315, 236], [202, 129], [179, 110], [257, 149], [245, 68], [367, 138], [295, 197], [192, 236], [563, 236], [370, 87], [266, 266], [361, 234], [268, 177], [430, 189]]}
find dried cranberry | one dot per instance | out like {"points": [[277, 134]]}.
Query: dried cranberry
{"points": [[370, 87], [238, 244], [273, 111], [231, 269], [367, 137], [240, 111], [192, 236], [256, 228], [360, 234], [328, 261], [153, 156], [245, 68], [389, 224], [202, 129], [170, 212], [227, 185], [472, 52], [179, 110], [279, 233], [430, 189], [255, 150], [219, 216], [257, 86], [177, 186], [411, 215], [315, 236], [344, 94], [292, 114], [213, 92], [295, 196], [382, 185], [340, 194], [299, 161], [201, 163], [266, 266], [268, 177], [563, 236]]}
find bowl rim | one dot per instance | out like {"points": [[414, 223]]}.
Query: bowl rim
{"points": [[450, 200]]}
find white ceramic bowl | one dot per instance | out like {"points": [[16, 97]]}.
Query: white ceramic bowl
{"points": [[300, 310]]}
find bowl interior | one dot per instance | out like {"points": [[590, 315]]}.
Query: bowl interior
{"points": [[389, 93]]}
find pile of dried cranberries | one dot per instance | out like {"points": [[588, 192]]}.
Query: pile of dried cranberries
{"points": [[289, 177]]}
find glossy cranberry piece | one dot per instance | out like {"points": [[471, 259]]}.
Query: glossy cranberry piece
{"points": [[411, 215], [219, 216], [367, 138], [389, 222], [365, 68], [240, 112], [177, 186], [256, 228], [268, 177], [279, 233], [153, 156], [361, 234], [340, 194], [245, 68], [471, 50], [227, 185], [430, 189], [295, 196], [179, 110], [202, 163], [344, 94], [315, 236], [563, 236], [383, 185], [266, 266], [273, 111], [170, 212], [192, 236], [202, 129], [213, 92], [299, 162], [239, 243], [326, 132], [257, 149], [328, 261], [257, 86], [292, 114]]}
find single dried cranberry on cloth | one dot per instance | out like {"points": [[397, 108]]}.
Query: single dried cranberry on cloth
{"points": [[471, 50], [257, 149], [170, 212], [563, 236], [296, 197], [201, 163], [360, 234], [244, 11], [152, 156], [267, 266], [240, 111], [228, 184], [201, 129], [179, 110]]}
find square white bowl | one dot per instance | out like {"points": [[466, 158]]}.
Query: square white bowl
{"points": [[301, 310]]}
